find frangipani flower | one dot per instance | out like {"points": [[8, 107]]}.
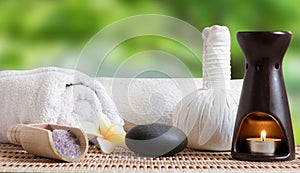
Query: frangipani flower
{"points": [[108, 135]]}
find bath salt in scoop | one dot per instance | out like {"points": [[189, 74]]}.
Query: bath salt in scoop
{"points": [[50, 140], [207, 115]]}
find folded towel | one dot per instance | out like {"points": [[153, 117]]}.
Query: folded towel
{"points": [[148, 100], [52, 95]]}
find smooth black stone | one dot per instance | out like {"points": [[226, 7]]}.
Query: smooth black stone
{"points": [[155, 140]]}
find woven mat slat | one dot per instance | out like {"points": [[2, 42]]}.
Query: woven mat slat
{"points": [[14, 158]]}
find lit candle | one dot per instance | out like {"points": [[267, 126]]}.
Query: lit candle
{"points": [[263, 135], [263, 145]]}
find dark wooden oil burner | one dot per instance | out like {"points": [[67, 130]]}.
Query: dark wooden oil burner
{"points": [[263, 103]]}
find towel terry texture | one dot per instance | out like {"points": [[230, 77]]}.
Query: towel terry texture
{"points": [[52, 95], [150, 100]]}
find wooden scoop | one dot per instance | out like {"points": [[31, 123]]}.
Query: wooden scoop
{"points": [[37, 139]]}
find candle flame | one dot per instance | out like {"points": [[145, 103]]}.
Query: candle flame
{"points": [[263, 135]]}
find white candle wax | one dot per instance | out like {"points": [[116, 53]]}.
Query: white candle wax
{"points": [[263, 145]]}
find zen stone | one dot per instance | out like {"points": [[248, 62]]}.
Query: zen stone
{"points": [[155, 140]]}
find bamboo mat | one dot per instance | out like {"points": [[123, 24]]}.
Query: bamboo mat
{"points": [[15, 159]]}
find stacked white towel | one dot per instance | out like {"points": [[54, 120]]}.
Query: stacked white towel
{"points": [[52, 95]]}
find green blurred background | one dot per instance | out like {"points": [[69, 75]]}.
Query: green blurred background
{"points": [[52, 33]]}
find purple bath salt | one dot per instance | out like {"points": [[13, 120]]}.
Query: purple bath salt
{"points": [[66, 143]]}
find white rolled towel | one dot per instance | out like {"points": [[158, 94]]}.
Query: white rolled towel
{"points": [[52, 95], [149, 100]]}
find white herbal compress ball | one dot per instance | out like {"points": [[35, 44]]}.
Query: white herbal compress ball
{"points": [[207, 115]]}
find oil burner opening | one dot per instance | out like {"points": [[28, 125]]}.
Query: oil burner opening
{"points": [[261, 134]]}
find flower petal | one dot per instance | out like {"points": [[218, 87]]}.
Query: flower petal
{"points": [[116, 134], [117, 128], [123, 144], [104, 122], [90, 129], [116, 138], [106, 146]]}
